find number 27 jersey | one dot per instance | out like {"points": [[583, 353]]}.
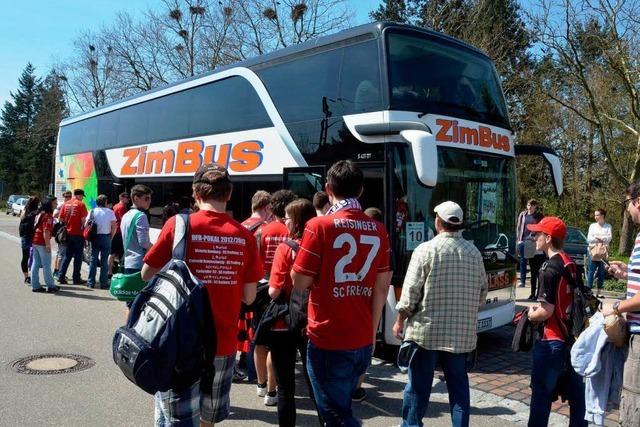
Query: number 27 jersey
{"points": [[343, 252]]}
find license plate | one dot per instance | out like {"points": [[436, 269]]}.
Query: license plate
{"points": [[484, 324]]}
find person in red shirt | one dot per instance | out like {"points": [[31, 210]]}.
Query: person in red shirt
{"points": [[343, 258], [42, 247], [551, 352], [283, 343], [269, 238], [223, 255], [117, 249], [62, 247], [260, 215], [73, 213]]}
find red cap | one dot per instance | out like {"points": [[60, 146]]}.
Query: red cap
{"points": [[551, 225]]}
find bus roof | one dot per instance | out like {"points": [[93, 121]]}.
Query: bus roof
{"points": [[374, 29]]}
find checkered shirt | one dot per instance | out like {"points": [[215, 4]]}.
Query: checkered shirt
{"points": [[444, 286]]}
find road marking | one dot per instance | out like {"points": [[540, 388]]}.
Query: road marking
{"points": [[10, 237]]}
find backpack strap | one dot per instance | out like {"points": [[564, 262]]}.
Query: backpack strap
{"points": [[254, 226], [132, 229], [295, 247], [180, 236]]}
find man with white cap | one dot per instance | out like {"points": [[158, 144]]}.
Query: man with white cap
{"points": [[444, 286]]}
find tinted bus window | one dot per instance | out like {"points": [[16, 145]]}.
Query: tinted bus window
{"points": [[227, 105], [433, 76], [360, 90], [304, 88]]}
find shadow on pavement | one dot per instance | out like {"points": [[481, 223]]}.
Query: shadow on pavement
{"points": [[69, 294]]}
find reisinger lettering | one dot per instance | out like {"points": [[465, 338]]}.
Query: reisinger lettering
{"points": [[353, 224]]}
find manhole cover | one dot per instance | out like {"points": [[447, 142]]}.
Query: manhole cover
{"points": [[50, 364]]}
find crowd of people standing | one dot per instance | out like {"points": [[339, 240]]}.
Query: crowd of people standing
{"points": [[334, 256]]}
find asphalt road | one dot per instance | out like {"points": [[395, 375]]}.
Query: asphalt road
{"points": [[82, 321]]}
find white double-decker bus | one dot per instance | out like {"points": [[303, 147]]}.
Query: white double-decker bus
{"points": [[421, 113]]}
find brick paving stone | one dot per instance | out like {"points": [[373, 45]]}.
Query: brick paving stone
{"points": [[520, 396]]}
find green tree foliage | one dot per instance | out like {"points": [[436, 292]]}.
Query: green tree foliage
{"points": [[28, 129]]}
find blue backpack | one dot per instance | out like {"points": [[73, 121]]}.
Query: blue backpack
{"points": [[169, 340]]}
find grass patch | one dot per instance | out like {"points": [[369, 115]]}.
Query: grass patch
{"points": [[614, 285]]}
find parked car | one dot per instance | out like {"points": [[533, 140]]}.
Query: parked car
{"points": [[11, 200], [577, 247], [18, 206]]}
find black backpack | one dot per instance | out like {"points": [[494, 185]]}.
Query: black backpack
{"points": [[60, 233], [584, 304], [296, 317], [27, 226], [169, 340]]}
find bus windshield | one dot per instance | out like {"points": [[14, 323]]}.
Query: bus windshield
{"points": [[483, 185], [438, 77]]}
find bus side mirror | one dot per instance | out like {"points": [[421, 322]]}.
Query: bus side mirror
{"points": [[551, 157], [425, 155]]}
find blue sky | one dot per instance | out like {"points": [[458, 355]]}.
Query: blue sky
{"points": [[42, 31]]}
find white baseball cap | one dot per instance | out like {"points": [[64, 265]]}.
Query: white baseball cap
{"points": [[449, 212]]}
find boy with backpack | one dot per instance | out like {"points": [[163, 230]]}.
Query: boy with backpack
{"points": [[557, 311], [223, 255]]}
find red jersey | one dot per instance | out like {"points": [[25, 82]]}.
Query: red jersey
{"points": [[254, 224], [280, 277], [223, 255], [555, 290], [119, 209], [271, 236], [72, 213], [44, 221], [344, 252]]}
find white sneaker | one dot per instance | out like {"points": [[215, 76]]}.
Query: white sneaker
{"points": [[261, 390], [270, 400]]}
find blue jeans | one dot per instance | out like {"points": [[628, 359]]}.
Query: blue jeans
{"points": [[334, 376], [550, 359], [523, 263], [593, 266], [41, 258], [75, 245], [101, 246], [417, 392]]}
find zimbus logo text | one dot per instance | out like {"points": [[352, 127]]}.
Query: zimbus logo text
{"points": [[188, 156], [483, 136]]}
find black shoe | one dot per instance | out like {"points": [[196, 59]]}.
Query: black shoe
{"points": [[359, 395], [39, 290], [532, 297], [63, 281], [53, 289], [79, 282], [90, 286], [27, 280], [238, 375]]}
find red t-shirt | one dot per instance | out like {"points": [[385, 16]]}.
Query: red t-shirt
{"points": [[119, 209], [72, 213], [280, 277], [223, 255], [251, 222], [43, 222], [344, 252], [271, 236], [555, 290]]}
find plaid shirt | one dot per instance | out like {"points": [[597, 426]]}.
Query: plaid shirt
{"points": [[444, 286]]}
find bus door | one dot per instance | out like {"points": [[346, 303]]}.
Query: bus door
{"points": [[305, 181]]}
